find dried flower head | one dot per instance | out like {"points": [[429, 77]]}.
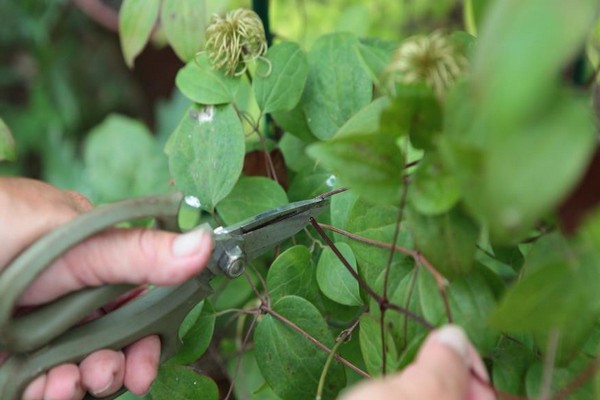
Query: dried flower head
{"points": [[433, 59], [235, 40]]}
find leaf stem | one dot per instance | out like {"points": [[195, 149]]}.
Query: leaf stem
{"points": [[320, 345], [343, 337]]}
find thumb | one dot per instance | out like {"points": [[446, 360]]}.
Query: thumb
{"points": [[134, 256]]}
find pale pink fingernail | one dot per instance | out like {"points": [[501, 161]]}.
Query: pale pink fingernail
{"points": [[104, 391], [455, 339], [191, 242]]}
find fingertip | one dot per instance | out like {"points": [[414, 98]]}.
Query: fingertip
{"points": [[35, 390], [102, 372], [63, 382], [141, 364]]}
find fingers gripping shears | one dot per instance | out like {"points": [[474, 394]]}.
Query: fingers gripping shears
{"points": [[51, 334]]}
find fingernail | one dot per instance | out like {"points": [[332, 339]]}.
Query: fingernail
{"points": [[189, 243], [454, 338], [103, 392]]}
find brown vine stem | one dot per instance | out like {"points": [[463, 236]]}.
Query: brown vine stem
{"points": [[264, 307], [239, 361], [587, 374], [440, 280], [383, 303]]}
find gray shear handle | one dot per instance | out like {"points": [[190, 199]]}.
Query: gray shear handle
{"points": [[28, 333], [160, 312]]}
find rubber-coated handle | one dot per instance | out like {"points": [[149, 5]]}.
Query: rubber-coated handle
{"points": [[29, 332]]}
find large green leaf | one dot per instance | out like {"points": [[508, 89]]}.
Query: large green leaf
{"points": [[434, 189], [123, 160], [249, 197], [471, 300], [377, 223], [195, 332], [206, 153], [448, 241], [8, 151], [334, 280], [201, 83], [561, 377], [280, 86], [184, 23], [511, 361], [338, 85], [248, 382], [181, 383], [294, 153], [370, 164], [136, 21], [293, 273], [553, 296], [370, 346], [366, 119], [291, 364], [514, 70]]}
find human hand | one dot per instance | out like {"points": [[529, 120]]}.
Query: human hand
{"points": [[441, 371], [28, 210]]}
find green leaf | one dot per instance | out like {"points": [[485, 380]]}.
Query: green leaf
{"points": [[448, 241], [196, 332], [8, 151], [434, 189], [510, 39], [335, 281], [294, 153], [511, 363], [175, 382], [122, 160], [553, 296], [561, 377], [206, 153], [415, 112], [293, 273], [340, 206], [249, 197], [311, 183], [136, 21], [370, 346], [290, 363], [338, 85], [184, 23], [370, 164], [366, 119], [377, 223], [471, 299], [248, 381], [376, 54], [511, 207], [280, 87], [295, 122], [201, 83]]}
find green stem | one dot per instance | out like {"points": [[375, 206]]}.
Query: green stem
{"points": [[330, 358]]}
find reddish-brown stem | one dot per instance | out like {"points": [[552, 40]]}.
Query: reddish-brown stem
{"points": [[239, 361], [100, 12], [320, 345], [441, 281], [587, 374], [383, 303]]}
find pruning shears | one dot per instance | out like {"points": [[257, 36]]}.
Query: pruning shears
{"points": [[51, 335]]}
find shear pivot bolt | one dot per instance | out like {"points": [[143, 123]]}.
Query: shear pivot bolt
{"points": [[233, 262]]}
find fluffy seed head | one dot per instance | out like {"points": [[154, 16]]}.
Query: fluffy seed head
{"points": [[234, 40], [432, 59]]}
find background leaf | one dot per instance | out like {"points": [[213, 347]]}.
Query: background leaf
{"points": [[291, 364], [335, 281], [206, 153], [181, 383], [370, 346], [282, 87], [337, 85], [8, 151], [370, 164], [201, 83], [136, 21], [249, 197], [123, 160], [293, 273], [195, 332], [184, 23]]}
